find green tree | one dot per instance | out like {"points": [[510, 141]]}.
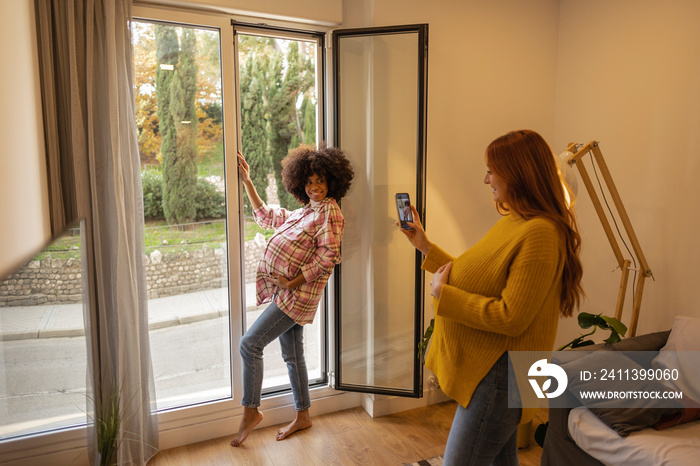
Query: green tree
{"points": [[299, 84], [253, 81], [167, 57], [207, 100], [277, 82], [278, 100], [280, 126], [287, 123], [308, 109], [176, 91]]}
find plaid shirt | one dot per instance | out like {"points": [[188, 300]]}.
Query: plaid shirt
{"points": [[305, 241]]}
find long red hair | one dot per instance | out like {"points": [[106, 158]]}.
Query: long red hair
{"points": [[534, 188]]}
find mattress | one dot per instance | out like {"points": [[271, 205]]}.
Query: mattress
{"points": [[675, 446]]}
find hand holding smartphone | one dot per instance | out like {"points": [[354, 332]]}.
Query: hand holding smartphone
{"points": [[403, 207]]}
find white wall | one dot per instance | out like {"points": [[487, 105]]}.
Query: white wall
{"points": [[23, 194], [492, 69], [626, 73], [629, 77]]}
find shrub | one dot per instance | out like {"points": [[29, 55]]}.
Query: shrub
{"points": [[209, 202], [152, 183]]}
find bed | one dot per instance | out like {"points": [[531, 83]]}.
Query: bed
{"points": [[679, 445], [578, 437]]}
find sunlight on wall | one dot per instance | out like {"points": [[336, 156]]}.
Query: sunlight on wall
{"points": [[23, 205], [636, 91]]}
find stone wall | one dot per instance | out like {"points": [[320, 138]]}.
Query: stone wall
{"points": [[56, 281], [184, 272], [49, 281]]}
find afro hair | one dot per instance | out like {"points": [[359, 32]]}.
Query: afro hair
{"points": [[328, 162]]}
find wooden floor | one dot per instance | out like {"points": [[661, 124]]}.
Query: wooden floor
{"points": [[342, 438]]}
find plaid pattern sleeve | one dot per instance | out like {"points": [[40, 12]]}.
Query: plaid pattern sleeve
{"points": [[307, 243], [269, 218]]}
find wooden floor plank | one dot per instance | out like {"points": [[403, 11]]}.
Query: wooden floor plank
{"points": [[340, 421], [349, 437], [289, 451], [360, 447], [252, 452], [320, 443], [395, 435]]}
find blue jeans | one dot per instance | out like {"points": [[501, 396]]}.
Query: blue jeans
{"points": [[485, 432], [271, 324]]}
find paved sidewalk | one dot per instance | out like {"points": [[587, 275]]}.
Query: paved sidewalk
{"points": [[66, 320]]}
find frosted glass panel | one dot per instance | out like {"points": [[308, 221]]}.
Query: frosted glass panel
{"points": [[379, 132]]}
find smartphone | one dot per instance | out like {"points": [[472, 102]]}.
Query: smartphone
{"points": [[403, 207]]}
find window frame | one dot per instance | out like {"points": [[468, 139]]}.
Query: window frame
{"points": [[289, 33], [207, 420], [421, 31]]}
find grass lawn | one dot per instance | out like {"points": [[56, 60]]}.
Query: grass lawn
{"points": [[166, 238]]}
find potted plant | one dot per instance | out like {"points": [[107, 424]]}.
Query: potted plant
{"points": [[596, 321], [107, 427], [423, 345], [109, 424]]}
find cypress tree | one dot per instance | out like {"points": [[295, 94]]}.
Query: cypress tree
{"points": [[176, 87], [309, 111], [254, 134], [271, 84], [280, 111], [181, 171], [167, 57]]}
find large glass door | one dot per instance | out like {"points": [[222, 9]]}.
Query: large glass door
{"points": [[280, 100], [379, 305], [179, 115]]}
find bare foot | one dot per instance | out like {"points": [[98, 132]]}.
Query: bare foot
{"points": [[301, 422], [251, 418]]}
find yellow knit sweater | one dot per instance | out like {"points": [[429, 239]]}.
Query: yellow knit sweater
{"points": [[503, 294]]}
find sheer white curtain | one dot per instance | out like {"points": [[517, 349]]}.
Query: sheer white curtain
{"points": [[94, 173]]}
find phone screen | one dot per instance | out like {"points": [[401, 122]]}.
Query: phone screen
{"points": [[403, 206]]}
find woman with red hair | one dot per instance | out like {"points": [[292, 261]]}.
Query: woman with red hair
{"points": [[505, 293]]}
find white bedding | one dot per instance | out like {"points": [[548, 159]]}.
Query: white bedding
{"points": [[675, 446]]}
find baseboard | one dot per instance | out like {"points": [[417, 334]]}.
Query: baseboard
{"points": [[381, 405], [278, 410], [68, 446]]}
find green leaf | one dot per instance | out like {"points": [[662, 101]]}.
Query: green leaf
{"points": [[586, 320], [595, 321], [615, 324], [613, 338], [426, 339], [577, 341], [582, 343]]}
